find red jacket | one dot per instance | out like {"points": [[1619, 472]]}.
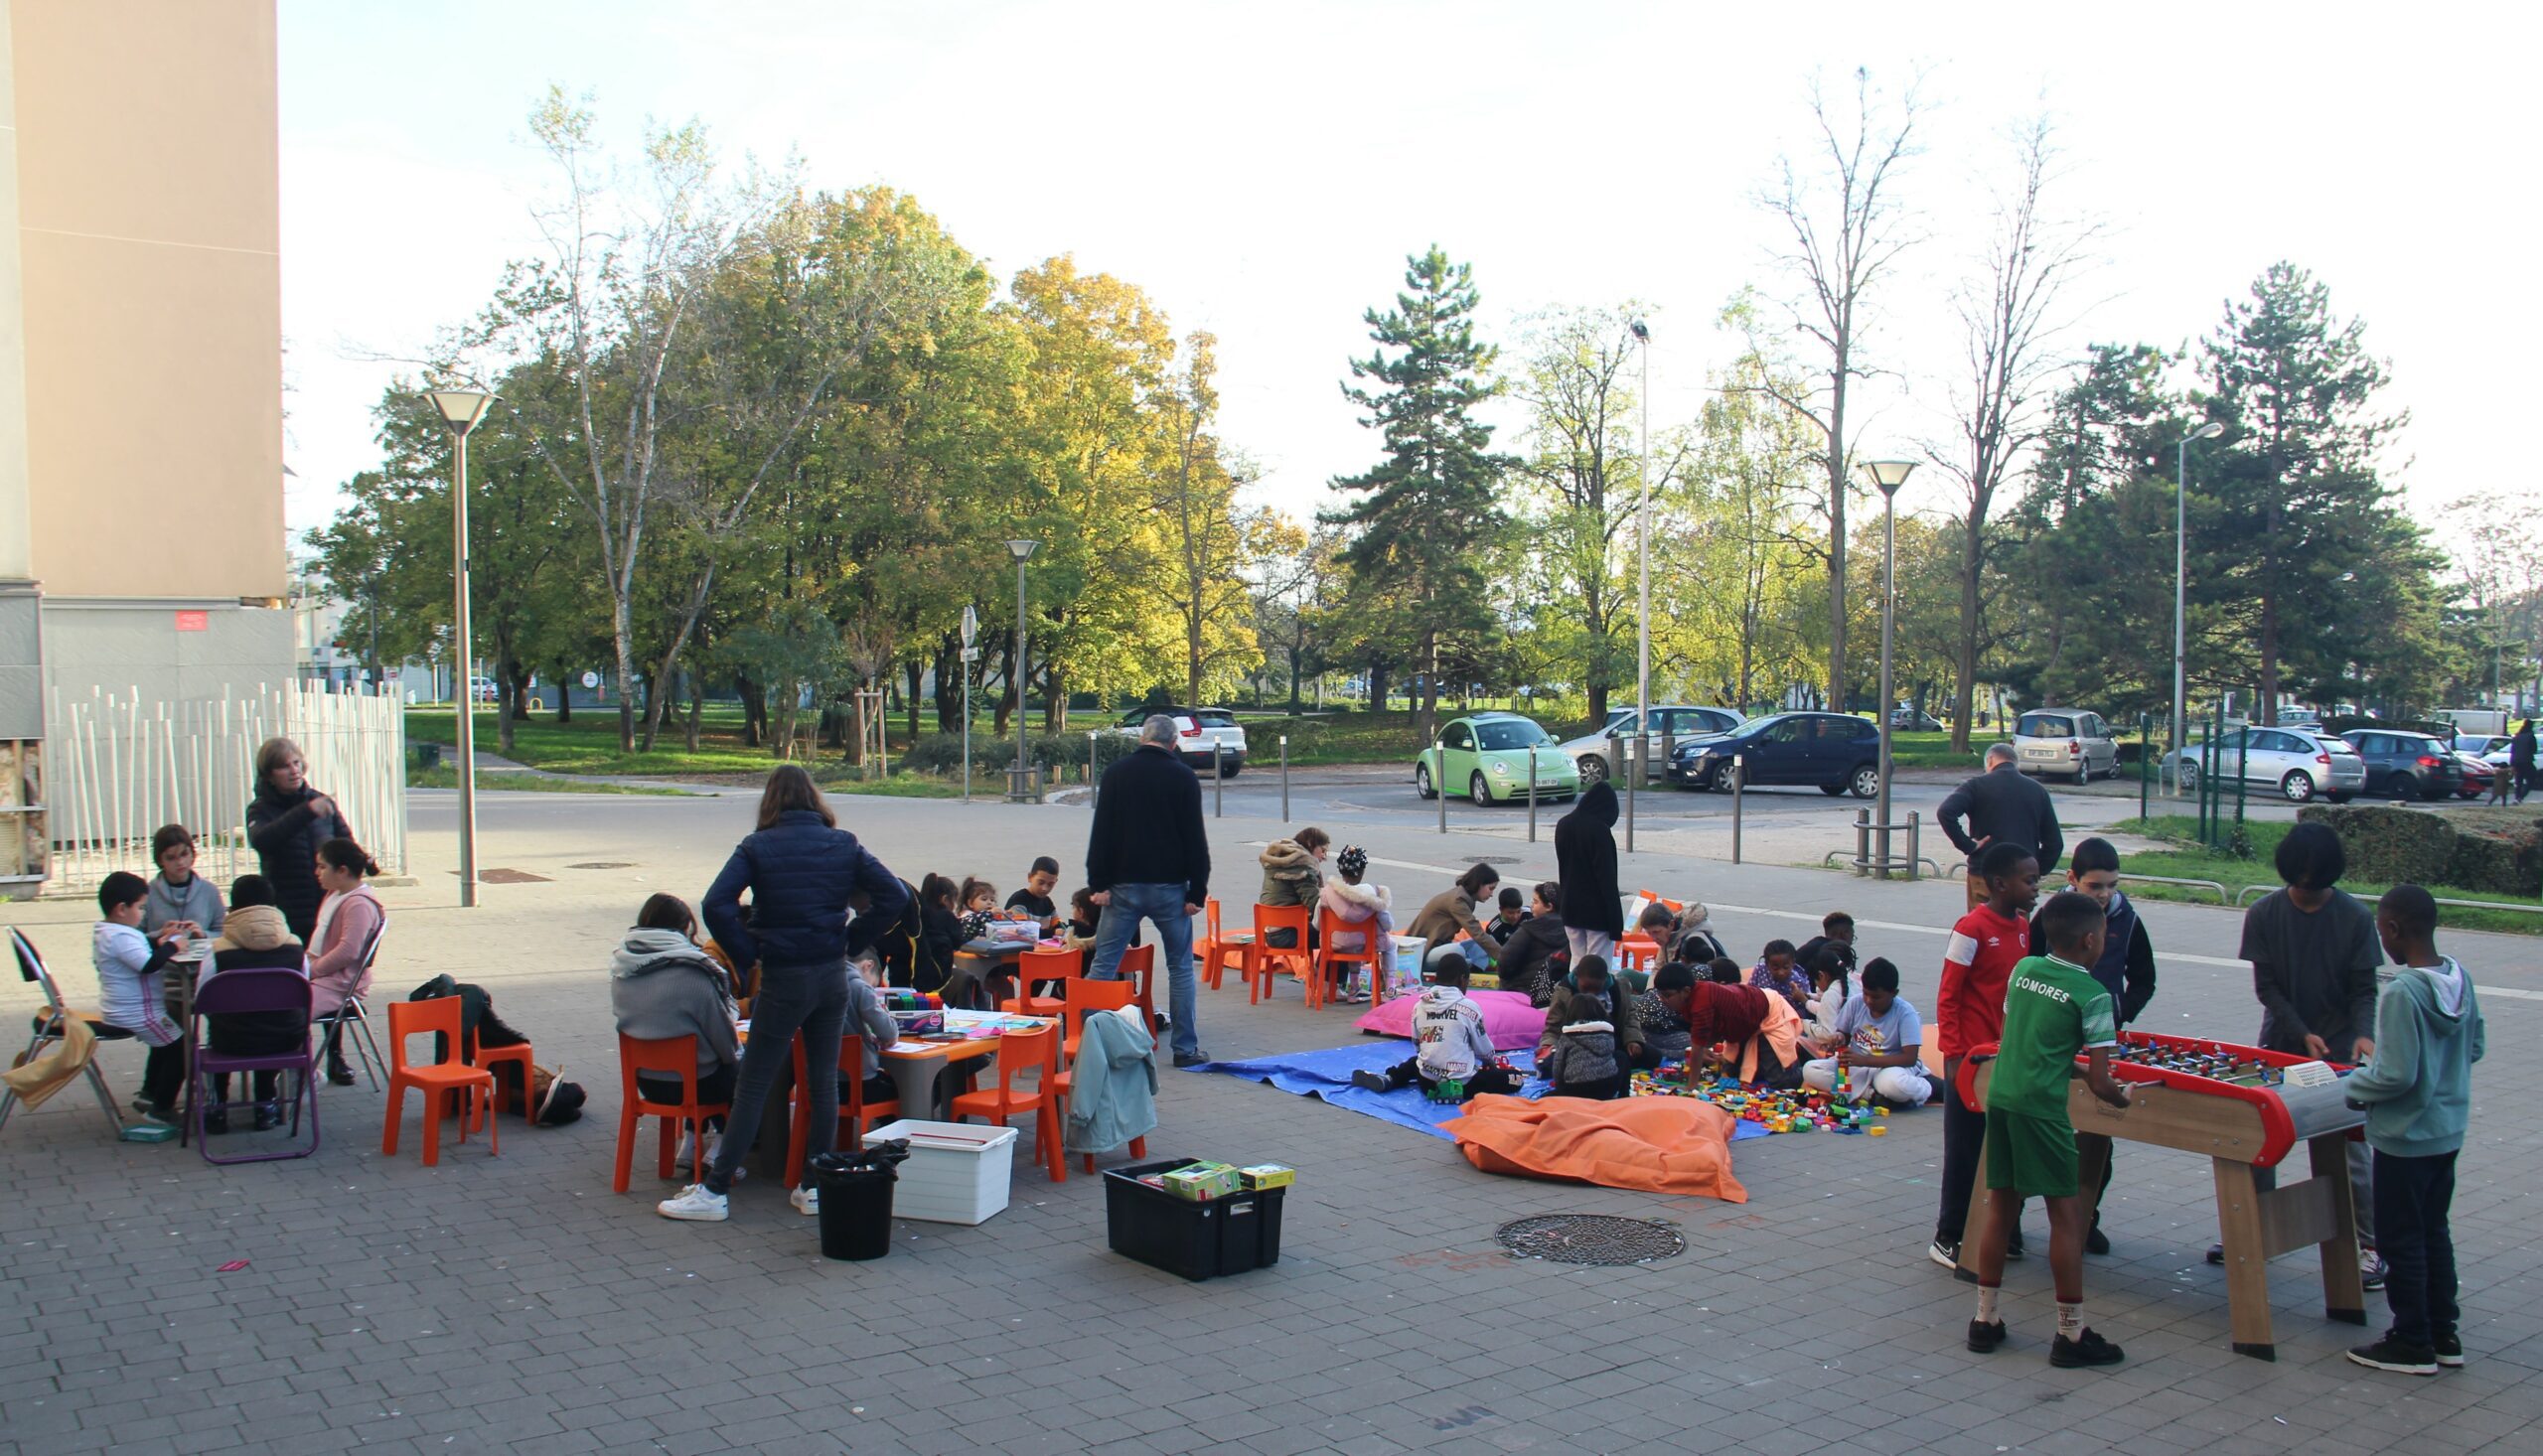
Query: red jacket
{"points": [[1968, 1011]]}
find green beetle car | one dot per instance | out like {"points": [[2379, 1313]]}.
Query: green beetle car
{"points": [[1486, 755]]}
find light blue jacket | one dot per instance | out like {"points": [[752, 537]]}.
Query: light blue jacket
{"points": [[1112, 1085], [2418, 1086]]}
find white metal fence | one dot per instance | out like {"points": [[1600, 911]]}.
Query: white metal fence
{"points": [[117, 767]]}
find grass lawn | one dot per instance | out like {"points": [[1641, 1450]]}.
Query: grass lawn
{"points": [[2191, 861]]}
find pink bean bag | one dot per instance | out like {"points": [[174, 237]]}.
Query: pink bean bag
{"points": [[1512, 1023]]}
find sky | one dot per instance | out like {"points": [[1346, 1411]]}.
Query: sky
{"points": [[1262, 170]]}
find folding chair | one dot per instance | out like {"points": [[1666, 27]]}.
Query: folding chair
{"points": [[253, 990], [48, 1029], [353, 1022]]}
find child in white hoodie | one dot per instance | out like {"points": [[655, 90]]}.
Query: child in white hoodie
{"points": [[1355, 904], [1453, 1057]]}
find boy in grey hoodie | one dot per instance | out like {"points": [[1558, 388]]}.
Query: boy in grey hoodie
{"points": [[2417, 1090]]}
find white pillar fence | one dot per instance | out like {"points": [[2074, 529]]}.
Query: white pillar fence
{"points": [[117, 767]]}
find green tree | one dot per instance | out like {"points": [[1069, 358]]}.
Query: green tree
{"points": [[1429, 507]]}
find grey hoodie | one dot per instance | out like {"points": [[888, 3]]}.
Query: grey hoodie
{"points": [[197, 900], [661, 986]]}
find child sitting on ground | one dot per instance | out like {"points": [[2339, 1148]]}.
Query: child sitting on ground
{"points": [[1580, 1056], [1721, 970], [1452, 1057], [131, 1000], [1836, 927], [1663, 1013], [1776, 973], [1831, 986], [1697, 943], [1879, 1041], [1512, 914], [1370, 906]]}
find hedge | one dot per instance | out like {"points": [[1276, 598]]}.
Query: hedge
{"points": [[2388, 845]]}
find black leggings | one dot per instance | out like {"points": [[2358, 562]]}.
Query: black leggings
{"points": [[1493, 1078]]}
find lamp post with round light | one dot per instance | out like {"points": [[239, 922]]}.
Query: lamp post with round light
{"points": [[460, 411], [1022, 551], [1889, 475]]}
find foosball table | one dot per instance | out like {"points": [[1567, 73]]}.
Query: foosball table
{"points": [[2246, 1109]]}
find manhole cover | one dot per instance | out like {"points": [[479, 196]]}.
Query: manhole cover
{"points": [[1591, 1238], [603, 864]]}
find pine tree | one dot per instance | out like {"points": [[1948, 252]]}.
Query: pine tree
{"points": [[1429, 506]]}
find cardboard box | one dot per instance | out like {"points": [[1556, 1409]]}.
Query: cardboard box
{"points": [[1201, 1182], [1267, 1175]]}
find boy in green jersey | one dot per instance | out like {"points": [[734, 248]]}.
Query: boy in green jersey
{"points": [[2054, 1011]]}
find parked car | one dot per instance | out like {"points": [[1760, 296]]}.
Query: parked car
{"points": [[1670, 726], [2405, 764], [2299, 763], [2064, 741], [1486, 756], [1197, 729], [484, 691], [2478, 776], [1836, 753], [1907, 719]]}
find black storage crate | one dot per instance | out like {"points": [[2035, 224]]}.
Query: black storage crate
{"points": [[1199, 1241]]}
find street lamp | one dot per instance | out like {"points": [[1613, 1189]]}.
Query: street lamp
{"points": [[460, 410], [1641, 332], [1889, 475], [2180, 589], [1024, 552]]}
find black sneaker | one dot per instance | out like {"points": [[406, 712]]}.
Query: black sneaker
{"points": [[215, 1123], [1192, 1059], [2096, 1241], [1983, 1339], [2216, 1253], [2370, 1269], [1375, 1082], [1945, 1251], [2391, 1354], [340, 1075], [2449, 1351], [2013, 1244], [268, 1116], [2086, 1348]]}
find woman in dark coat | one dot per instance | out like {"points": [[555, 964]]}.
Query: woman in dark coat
{"points": [[1585, 856], [286, 823]]}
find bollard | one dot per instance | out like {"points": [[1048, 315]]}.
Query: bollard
{"points": [[1284, 778], [1668, 752], [1625, 757], [1532, 794], [1912, 817], [1863, 842], [1091, 781], [1739, 786], [1218, 783], [2242, 783], [2145, 746], [1439, 783]]}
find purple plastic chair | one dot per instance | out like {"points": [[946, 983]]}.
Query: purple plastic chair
{"points": [[232, 992]]}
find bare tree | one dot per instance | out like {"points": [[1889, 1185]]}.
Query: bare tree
{"points": [[1846, 231], [2010, 316]]}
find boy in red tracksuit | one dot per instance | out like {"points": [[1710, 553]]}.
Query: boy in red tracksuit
{"points": [[1968, 1013]]}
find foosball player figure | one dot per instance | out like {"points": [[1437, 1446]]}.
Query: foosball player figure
{"points": [[2416, 1089], [2054, 1010], [1453, 1057]]}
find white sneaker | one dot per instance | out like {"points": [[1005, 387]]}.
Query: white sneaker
{"points": [[806, 1200], [694, 1205], [688, 1145]]}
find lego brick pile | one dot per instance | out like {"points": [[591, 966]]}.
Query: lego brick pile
{"points": [[1799, 1110]]}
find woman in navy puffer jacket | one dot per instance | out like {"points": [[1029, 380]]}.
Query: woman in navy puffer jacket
{"points": [[800, 868]]}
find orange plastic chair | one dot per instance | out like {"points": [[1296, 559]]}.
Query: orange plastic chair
{"points": [[1221, 948], [434, 1080], [1139, 969], [1085, 998], [670, 1057], [1042, 965], [486, 1059], [854, 1113], [1264, 960], [1637, 952], [1018, 1052], [1329, 961]]}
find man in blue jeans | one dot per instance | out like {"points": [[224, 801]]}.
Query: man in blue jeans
{"points": [[1148, 858]]}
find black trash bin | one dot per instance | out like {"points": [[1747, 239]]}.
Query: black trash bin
{"points": [[856, 1200]]}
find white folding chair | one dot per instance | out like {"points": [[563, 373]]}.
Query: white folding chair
{"points": [[48, 1029], [352, 1022]]}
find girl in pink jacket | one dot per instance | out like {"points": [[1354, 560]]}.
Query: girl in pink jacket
{"points": [[350, 920]]}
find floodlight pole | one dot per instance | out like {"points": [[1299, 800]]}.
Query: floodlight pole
{"points": [[460, 410]]}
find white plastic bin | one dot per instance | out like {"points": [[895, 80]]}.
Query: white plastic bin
{"points": [[957, 1172]]}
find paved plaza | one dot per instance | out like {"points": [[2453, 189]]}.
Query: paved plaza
{"points": [[513, 1300]]}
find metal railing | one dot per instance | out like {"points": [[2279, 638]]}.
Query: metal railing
{"points": [[2458, 903]]}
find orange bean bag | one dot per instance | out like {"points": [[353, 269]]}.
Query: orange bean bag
{"points": [[1656, 1144]]}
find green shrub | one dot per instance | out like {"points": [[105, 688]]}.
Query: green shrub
{"points": [[2387, 844], [2509, 862]]}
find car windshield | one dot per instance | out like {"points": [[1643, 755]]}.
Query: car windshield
{"points": [[1504, 734], [2044, 727]]}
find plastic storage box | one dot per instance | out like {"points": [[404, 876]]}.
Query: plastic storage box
{"points": [[957, 1172], [1199, 1241]]}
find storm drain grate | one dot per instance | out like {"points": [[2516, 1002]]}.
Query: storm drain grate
{"points": [[1591, 1238]]}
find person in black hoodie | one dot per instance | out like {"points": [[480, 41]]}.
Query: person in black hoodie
{"points": [[286, 823], [802, 870], [1585, 856], [1146, 857]]}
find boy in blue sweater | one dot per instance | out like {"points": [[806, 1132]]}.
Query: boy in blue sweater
{"points": [[2417, 1090]]}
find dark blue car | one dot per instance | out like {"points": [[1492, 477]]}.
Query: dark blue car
{"points": [[1834, 753], [2405, 764]]}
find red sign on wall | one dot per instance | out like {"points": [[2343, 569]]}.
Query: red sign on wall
{"points": [[193, 622]]}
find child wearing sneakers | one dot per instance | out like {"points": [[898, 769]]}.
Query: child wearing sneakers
{"points": [[1968, 1012], [2054, 1010], [1879, 1041], [2416, 1089], [1451, 1048], [131, 998]]}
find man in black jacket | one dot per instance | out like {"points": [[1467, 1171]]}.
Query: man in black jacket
{"points": [[2001, 807], [1584, 857], [1148, 858]]}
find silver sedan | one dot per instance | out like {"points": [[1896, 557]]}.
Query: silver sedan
{"points": [[2298, 764]]}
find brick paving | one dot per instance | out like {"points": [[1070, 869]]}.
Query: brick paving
{"points": [[508, 1301]]}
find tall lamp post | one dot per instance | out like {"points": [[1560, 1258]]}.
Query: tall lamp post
{"points": [[2181, 590], [1888, 475], [1642, 551], [1024, 552], [460, 410]]}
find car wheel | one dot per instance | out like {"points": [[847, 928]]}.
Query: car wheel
{"points": [[1421, 780], [1593, 769], [1480, 790], [1867, 781], [2339, 797], [2406, 786], [2189, 778], [2297, 786], [1232, 767], [1833, 790]]}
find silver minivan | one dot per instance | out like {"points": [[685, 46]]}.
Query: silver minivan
{"points": [[2064, 741], [2297, 762]]}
